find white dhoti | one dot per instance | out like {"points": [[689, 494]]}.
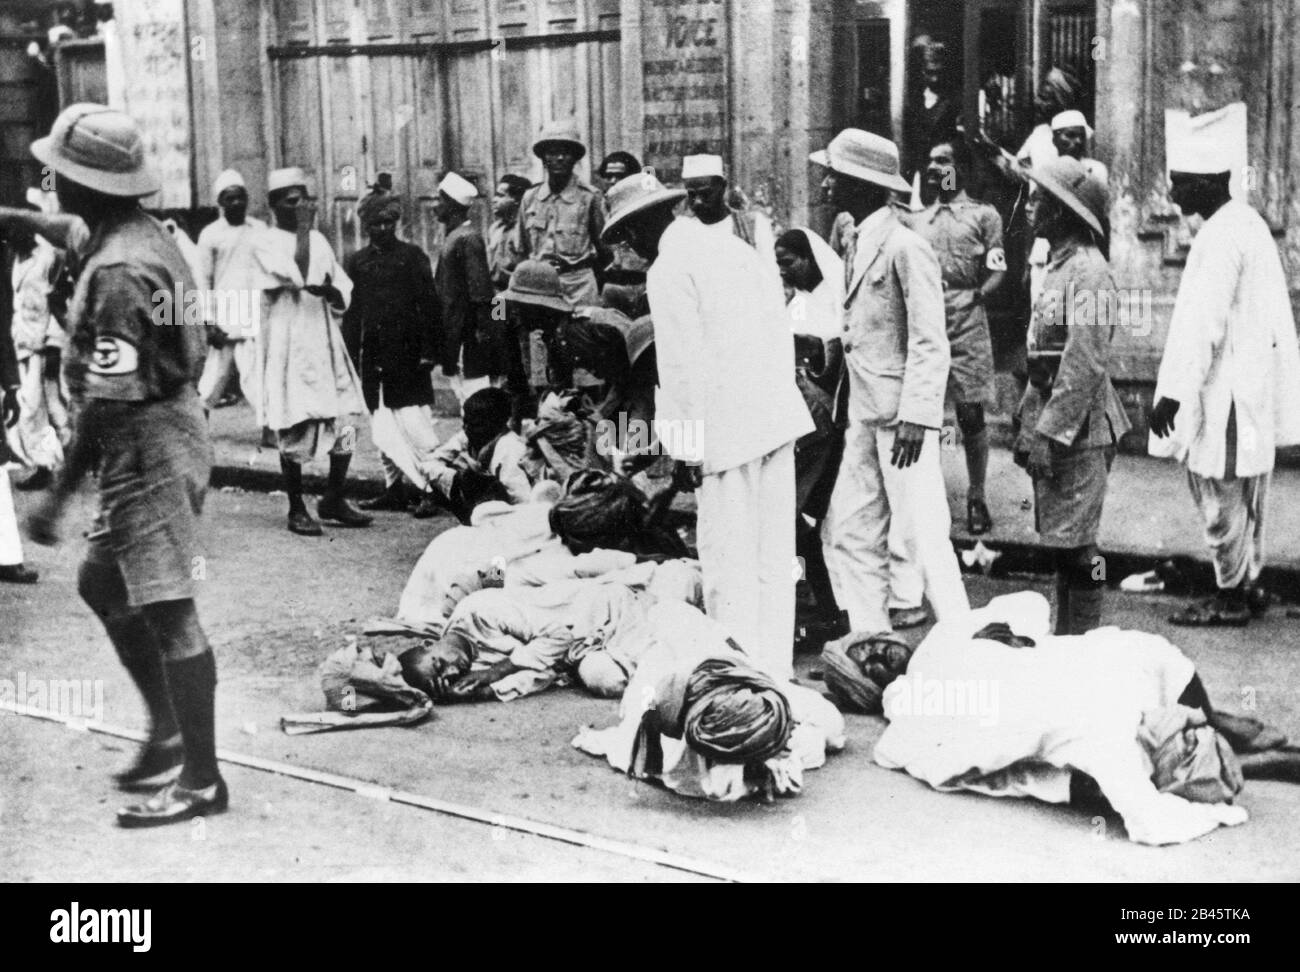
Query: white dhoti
{"points": [[221, 365], [406, 439], [42, 428], [745, 536], [11, 545], [1232, 511], [877, 506]]}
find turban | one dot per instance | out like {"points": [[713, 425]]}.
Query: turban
{"points": [[735, 714], [612, 516], [859, 667], [377, 206]]}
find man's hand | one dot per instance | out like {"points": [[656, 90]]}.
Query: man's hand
{"points": [[907, 444], [42, 523], [1039, 464], [687, 476], [1162, 417], [9, 407], [478, 685], [327, 290], [216, 336]]}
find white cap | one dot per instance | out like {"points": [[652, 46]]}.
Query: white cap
{"points": [[458, 189], [284, 178], [702, 166], [1206, 144], [1071, 119], [226, 180]]}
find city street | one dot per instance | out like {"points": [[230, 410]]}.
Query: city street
{"points": [[275, 605]]}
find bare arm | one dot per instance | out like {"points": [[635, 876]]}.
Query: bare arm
{"points": [[55, 227]]}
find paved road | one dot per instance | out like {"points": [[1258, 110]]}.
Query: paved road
{"points": [[275, 605]]}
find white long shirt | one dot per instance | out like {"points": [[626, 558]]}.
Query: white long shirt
{"points": [[1232, 339], [727, 394], [227, 264]]}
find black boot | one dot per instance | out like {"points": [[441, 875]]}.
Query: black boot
{"points": [[159, 760], [333, 505], [392, 499]]}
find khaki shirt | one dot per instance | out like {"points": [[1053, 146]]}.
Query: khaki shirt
{"points": [[966, 236], [564, 226]]}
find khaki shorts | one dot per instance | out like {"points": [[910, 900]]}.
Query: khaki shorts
{"points": [[154, 466]]}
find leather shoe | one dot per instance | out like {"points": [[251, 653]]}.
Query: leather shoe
{"points": [[342, 512], [157, 764], [174, 803], [302, 523], [388, 500], [977, 517], [18, 574]]}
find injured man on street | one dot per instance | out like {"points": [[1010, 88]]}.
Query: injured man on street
{"points": [[700, 719], [504, 644], [992, 703]]}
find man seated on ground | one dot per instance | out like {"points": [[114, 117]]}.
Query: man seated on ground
{"points": [[700, 719], [503, 645], [485, 445], [992, 703]]}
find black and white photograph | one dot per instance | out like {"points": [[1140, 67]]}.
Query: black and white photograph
{"points": [[651, 441]]}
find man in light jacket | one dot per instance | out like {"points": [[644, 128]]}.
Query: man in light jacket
{"points": [[727, 408], [896, 348], [1228, 392]]}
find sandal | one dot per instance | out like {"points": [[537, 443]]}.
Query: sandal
{"points": [[977, 517], [1212, 613]]}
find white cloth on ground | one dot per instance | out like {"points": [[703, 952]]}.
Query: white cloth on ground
{"points": [[980, 715], [859, 529], [680, 635], [745, 534]]}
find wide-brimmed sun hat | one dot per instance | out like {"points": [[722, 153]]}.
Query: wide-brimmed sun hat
{"points": [[634, 196], [100, 148], [537, 283], [863, 155], [560, 133], [1066, 180]]}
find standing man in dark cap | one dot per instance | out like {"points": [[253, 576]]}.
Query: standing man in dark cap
{"points": [[561, 219], [391, 330], [1070, 417], [141, 425]]}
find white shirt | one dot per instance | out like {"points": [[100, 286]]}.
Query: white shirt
{"points": [[727, 394], [1232, 339], [227, 263]]}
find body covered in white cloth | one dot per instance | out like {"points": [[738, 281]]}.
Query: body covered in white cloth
{"points": [[975, 714]]}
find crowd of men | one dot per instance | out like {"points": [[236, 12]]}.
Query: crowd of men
{"points": [[799, 386]]}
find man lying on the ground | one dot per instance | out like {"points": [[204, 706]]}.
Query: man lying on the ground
{"points": [[485, 445], [503, 645], [992, 703], [700, 719]]}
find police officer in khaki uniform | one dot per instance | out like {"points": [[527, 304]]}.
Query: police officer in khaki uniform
{"points": [[132, 368], [560, 220], [966, 236]]}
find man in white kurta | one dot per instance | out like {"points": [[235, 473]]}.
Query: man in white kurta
{"points": [[310, 392], [728, 408], [229, 272], [1228, 391]]}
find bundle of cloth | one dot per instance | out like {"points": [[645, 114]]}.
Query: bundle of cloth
{"points": [[992, 703], [700, 719], [504, 644], [563, 439]]}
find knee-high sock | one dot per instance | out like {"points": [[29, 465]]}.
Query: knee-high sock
{"points": [[977, 462], [339, 463], [192, 682], [292, 472]]}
